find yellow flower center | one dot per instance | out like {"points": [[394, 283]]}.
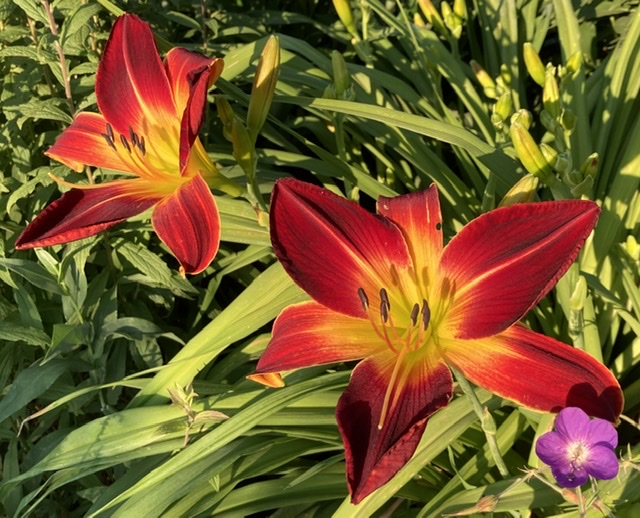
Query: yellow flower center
{"points": [[403, 337]]}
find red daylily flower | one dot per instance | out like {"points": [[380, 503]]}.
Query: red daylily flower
{"points": [[151, 113], [386, 291]]}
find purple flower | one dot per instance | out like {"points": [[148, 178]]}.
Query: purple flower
{"points": [[579, 447]]}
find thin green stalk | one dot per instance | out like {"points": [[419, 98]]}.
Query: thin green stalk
{"points": [[489, 434]]}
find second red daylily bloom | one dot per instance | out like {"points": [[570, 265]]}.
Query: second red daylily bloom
{"points": [[388, 292], [151, 113]]}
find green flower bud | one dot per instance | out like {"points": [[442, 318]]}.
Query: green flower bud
{"points": [[583, 188], [523, 117], [243, 148], [264, 86], [451, 20], [524, 191], [549, 123], [568, 120], [503, 106], [574, 63], [533, 63], [551, 93], [460, 9], [433, 16], [345, 14], [564, 162], [226, 115], [549, 153], [590, 166], [529, 153], [505, 74], [579, 295], [485, 80], [417, 20], [341, 76]]}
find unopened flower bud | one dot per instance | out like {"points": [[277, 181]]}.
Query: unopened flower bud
{"points": [[417, 19], [345, 14], [549, 122], [264, 86], [551, 93], [529, 153], [485, 80], [271, 379], [524, 191], [590, 166], [433, 16], [503, 106], [487, 504], [582, 188], [579, 295], [451, 20], [533, 63], [505, 74], [341, 76], [549, 153], [243, 148], [460, 9], [574, 63], [523, 117], [226, 115]]}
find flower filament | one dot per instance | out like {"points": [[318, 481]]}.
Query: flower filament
{"points": [[400, 341]]}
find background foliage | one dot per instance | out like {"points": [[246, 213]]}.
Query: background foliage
{"points": [[95, 334]]}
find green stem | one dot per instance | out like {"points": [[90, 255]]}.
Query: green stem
{"points": [[489, 434]]}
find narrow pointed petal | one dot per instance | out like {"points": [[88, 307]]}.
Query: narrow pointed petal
{"points": [[188, 222], [501, 264], [132, 88], [418, 216], [537, 372], [86, 142], [309, 334], [331, 247], [191, 75], [84, 212], [374, 456]]}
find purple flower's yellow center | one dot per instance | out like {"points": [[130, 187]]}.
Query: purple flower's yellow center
{"points": [[403, 336]]}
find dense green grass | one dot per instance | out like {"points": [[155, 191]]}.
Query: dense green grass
{"points": [[94, 334]]}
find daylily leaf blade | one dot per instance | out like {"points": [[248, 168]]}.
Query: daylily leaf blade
{"points": [[564, 376], [502, 263]]}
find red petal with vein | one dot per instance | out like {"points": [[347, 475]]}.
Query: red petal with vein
{"points": [[374, 456], [81, 213], [537, 372], [331, 246], [188, 223], [418, 216], [501, 264], [83, 143], [132, 88], [191, 75], [309, 334]]}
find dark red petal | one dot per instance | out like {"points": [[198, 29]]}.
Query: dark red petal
{"points": [[418, 216], [309, 334], [374, 456], [81, 213], [189, 224], [331, 247], [537, 372], [85, 142], [132, 88], [501, 264], [191, 75]]}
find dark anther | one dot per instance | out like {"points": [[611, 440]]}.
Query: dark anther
{"points": [[414, 314], [141, 145], [363, 299], [110, 132], [426, 313], [123, 139], [109, 141], [133, 137], [385, 307]]}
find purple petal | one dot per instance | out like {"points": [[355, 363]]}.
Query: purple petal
{"points": [[568, 476], [572, 423], [551, 447], [601, 431], [602, 463]]}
